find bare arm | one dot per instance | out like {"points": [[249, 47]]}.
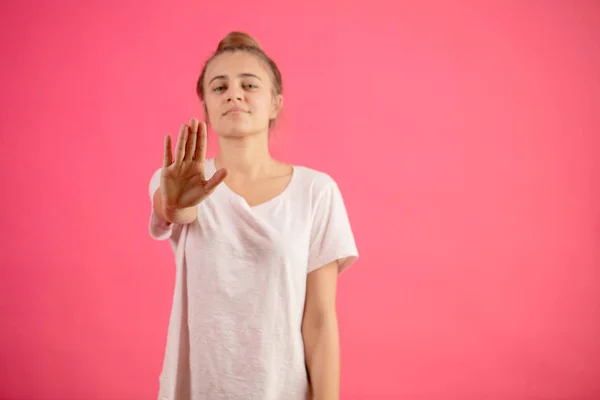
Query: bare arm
{"points": [[320, 333]]}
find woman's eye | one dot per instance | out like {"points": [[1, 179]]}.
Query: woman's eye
{"points": [[219, 88]]}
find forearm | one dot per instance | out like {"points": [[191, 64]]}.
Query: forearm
{"points": [[180, 217], [322, 353]]}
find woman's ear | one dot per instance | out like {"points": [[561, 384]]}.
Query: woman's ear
{"points": [[277, 106]]}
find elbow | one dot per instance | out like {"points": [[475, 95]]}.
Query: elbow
{"points": [[315, 326]]}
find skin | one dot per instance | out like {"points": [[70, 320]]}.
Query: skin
{"points": [[239, 102]]}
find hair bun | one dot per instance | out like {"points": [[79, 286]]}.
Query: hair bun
{"points": [[237, 39]]}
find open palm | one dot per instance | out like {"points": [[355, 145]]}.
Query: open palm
{"points": [[183, 182]]}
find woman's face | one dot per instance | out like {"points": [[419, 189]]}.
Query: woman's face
{"points": [[239, 98]]}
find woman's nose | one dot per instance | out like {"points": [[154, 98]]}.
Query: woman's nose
{"points": [[234, 93]]}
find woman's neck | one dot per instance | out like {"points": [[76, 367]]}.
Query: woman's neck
{"points": [[247, 158]]}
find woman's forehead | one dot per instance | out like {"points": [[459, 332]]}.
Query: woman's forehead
{"points": [[233, 64]]}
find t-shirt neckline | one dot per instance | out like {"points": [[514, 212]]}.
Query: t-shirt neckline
{"points": [[236, 197]]}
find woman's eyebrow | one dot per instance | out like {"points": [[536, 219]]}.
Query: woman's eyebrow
{"points": [[242, 75]]}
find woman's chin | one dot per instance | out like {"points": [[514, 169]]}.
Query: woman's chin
{"points": [[238, 131]]}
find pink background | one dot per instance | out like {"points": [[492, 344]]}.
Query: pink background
{"points": [[464, 136]]}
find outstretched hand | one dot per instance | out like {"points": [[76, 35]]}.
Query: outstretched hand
{"points": [[183, 182]]}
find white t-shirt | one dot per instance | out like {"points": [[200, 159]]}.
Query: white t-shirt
{"points": [[235, 325]]}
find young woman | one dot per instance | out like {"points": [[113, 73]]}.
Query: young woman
{"points": [[258, 246]]}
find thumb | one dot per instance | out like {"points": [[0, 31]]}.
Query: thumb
{"points": [[215, 180]]}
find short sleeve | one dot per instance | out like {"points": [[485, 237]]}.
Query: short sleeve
{"points": [[331, 237], [159, 228]]}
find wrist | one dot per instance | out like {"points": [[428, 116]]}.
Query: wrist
{"points": [[178, 215], [170, 213]]}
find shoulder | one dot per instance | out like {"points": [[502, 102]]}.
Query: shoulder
{"points": [[313, 178], [317, 183], [155, 181]]}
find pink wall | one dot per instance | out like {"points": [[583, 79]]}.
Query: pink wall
{"points": [[464, 135]]}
